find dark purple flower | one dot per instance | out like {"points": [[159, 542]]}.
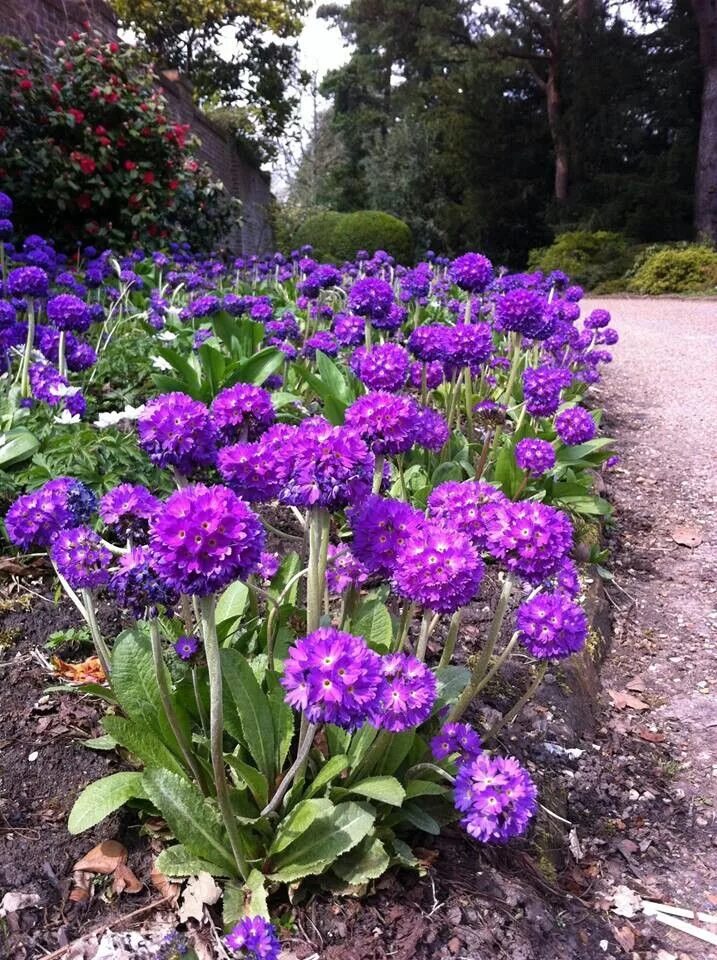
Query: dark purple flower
{"points": [[268, 566], [608, 336], [384, 420], [68, 312], [456, 738], [471, 272], [496, 796], [534, 456], [430, 342], [343, 570], [322, 340], [434, 374], [383, 367], [35, 518], [407, 695], [371, 297], [529, 538], [438, 567], [242, 412], [324, 276], [381, 528], [138, 588], [27, 282], [348, 329], [525, 311], [567, 578], [461, 505], [5, 205], [574, 426], [8, 314], [468, 345], [177, 431], [48, 385], [551, 626], [253, 938], [81, 558], [431, 430], [201, 307], [333, 677], [574, 293], [541, 389], [489, 414], [128, 509], [250, 473], [186, 647], [205, 537]]}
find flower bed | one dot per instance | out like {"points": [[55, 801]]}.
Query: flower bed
{"points": [[338, 464]]}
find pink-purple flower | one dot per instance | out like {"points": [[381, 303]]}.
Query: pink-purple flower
{"points": [[81, 558], [574, 426], [177, 431], [253, 938], [496, 796], [551, 626], [242, 412], [534, 456], [407, 695]]}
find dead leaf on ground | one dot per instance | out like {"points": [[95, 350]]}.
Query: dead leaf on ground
{"points": [[622, 699], [626, 938], [13, 901], [637, 685], [627, 847], [626, 902], [125, 880], [687, 535], [199, 891], [164, 885], [88, 671], [652, 736], [104, 858]]}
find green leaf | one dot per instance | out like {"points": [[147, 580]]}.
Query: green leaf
{"points": [[425, 788], [232, 602], [451, 682], [506, 474], [100, 743], [403, 854], [332, 768], [90, 689], [331, 835], [365, 862], [103, 797], [298, 821], [383, 789], [176, 861], [142, 742], [283, 718], [590, 506], [256, 896], [192, 820], [214, 366], [372, 621], [419, 818], [253, 708], [257, 368], [361, 743], [332, 378], [398, 749], [17, 445], [256, 781]]}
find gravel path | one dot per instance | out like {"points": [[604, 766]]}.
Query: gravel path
{"points": [[661, 398]]}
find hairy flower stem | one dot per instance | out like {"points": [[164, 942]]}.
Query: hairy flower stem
{"points": [[216, 730], [468, 397], [481, 666], [187, 620], [450, 645], [377, 473], [27, 353], [103, 651], [204, 720], [302, 755], [516, 359], [61, 360], [165, 696], [404, 626], [483, 458], [516, 708], [424, 635], [319, 530]]}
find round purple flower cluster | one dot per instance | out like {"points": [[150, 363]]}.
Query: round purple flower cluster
{"points": [[551, 626], [81, 558], [541, 388], [567, 578], [205, 537], [529, 538], [383, 367], [597, 319], [137, 587], [333, 677], [242, 412], [343, 570], [348, 329], [430, 429], [456, 738], [536, 457], [35, 518], [574, 426], [385, 421], [253, 938], [247, 470], [177, 431], [268, 566], [381, 528], [525, 311], [68, 312], [461, 505], [320, 279], [496, 796], [471, 272], [27, 282], [127, 511], [433, 373], [49, 386], [406, 696], [371, 298], [438, 567]]}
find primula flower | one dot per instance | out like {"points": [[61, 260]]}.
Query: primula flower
{"points": [[247, 470], [343, 570], [438, 567], [551, 626], [253, 938], [68, 312], [536, 457], [333, 677], [177, 431], [371, 298], [205, 537], [471, 272], [383, 367], [81, 558], [528, 538], [567, 578], [138, 588], [541, 389], [242, 412], [406, 696], [434, 374], [268, 567], [187, 647], [574, 426], [597, 319], [127, 511], [467, 345], [458, 738], [526, 312], [496, 796], [35, 518], [384, 420], [5, 205], [27, 282], [348, 329], [431, 430], [461, 505], [322, 340], [381, 528], [430, 342]]}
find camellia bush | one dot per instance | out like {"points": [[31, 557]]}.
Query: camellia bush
{"points": [[340, 461], [89, 153]]}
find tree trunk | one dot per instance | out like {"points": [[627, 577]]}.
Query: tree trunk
{"points": [[706, 174], [557, 130]]}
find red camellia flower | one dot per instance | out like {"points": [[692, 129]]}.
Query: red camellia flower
{"points": [[129, 165], [173, 184], [84, 201], [113, 47], [77, 114], [25, 84], [148, 177], [86, 164]]}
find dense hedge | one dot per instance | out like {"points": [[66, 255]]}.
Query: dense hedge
{"points": [[685, 269], [590, 257], [338, 236]]}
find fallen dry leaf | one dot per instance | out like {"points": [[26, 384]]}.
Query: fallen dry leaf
{"points": [[622, 699], [125, 880], [89, 671], [104, 858], [199, 891], [626, 938], [652, 736], [164, 885], [712, 897], [687, 535], [626, 902], [81, 886], [13, 901], [637, 685]]}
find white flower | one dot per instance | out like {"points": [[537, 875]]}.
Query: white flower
{"points": [[159, 363], [113, 417], [67, 417], [167, 336]]}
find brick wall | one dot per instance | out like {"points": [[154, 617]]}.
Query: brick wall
{"points": [[51, 20]]}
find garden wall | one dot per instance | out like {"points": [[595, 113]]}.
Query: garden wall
{"points": [[50, 20]]}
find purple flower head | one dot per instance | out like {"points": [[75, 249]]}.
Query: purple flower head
{"points": [[79, 355], [322, 340], [574, 293], [330, 466], [551, 626], [381, 528], [177, 431], [5, 205], [471, 272], [528, 538], [250, 472], [349, 329], [242, 412], [81, 558], [385, 421], [127, 511], [488, 413], [8, 314], [525, 311], [68, 312], [406, 696], [597, 319], [393, 320], [268, 566], [417, 282], [343, 570], [430, 342], [27, 282], [321, 278], [383, 367], [371, 297], [608, 336], [458, 738], [187, 647], [200, 307], [35, 518], [434, 374], [534, 456], [48, 385], [205, 537], [438, 567], [431, 430], [541, 388], [574, 426], [496, 796], [285, 328], [138, 588], [567, 578], [462, 505], [254, 938], [333, 677], [468, 345]]}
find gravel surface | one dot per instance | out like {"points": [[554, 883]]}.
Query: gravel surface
{"points": [[661, 397]]}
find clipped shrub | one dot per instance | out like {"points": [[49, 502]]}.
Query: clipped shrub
{"points": [[589, 257], [690, 268], [372, 230], [88, 152], [318, 230]]}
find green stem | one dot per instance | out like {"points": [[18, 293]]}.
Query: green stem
{"points": [[483, 458], [200, 702], [375, 753], [425, 633], [450, 645], [404, 625], [165, 696], [377, 473], [469, 403], [295, 770], [319, 530], [498, 663], [216, 730], [29, 342], [103, 652], [515, 364], [515, 710], [61, 361]]}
